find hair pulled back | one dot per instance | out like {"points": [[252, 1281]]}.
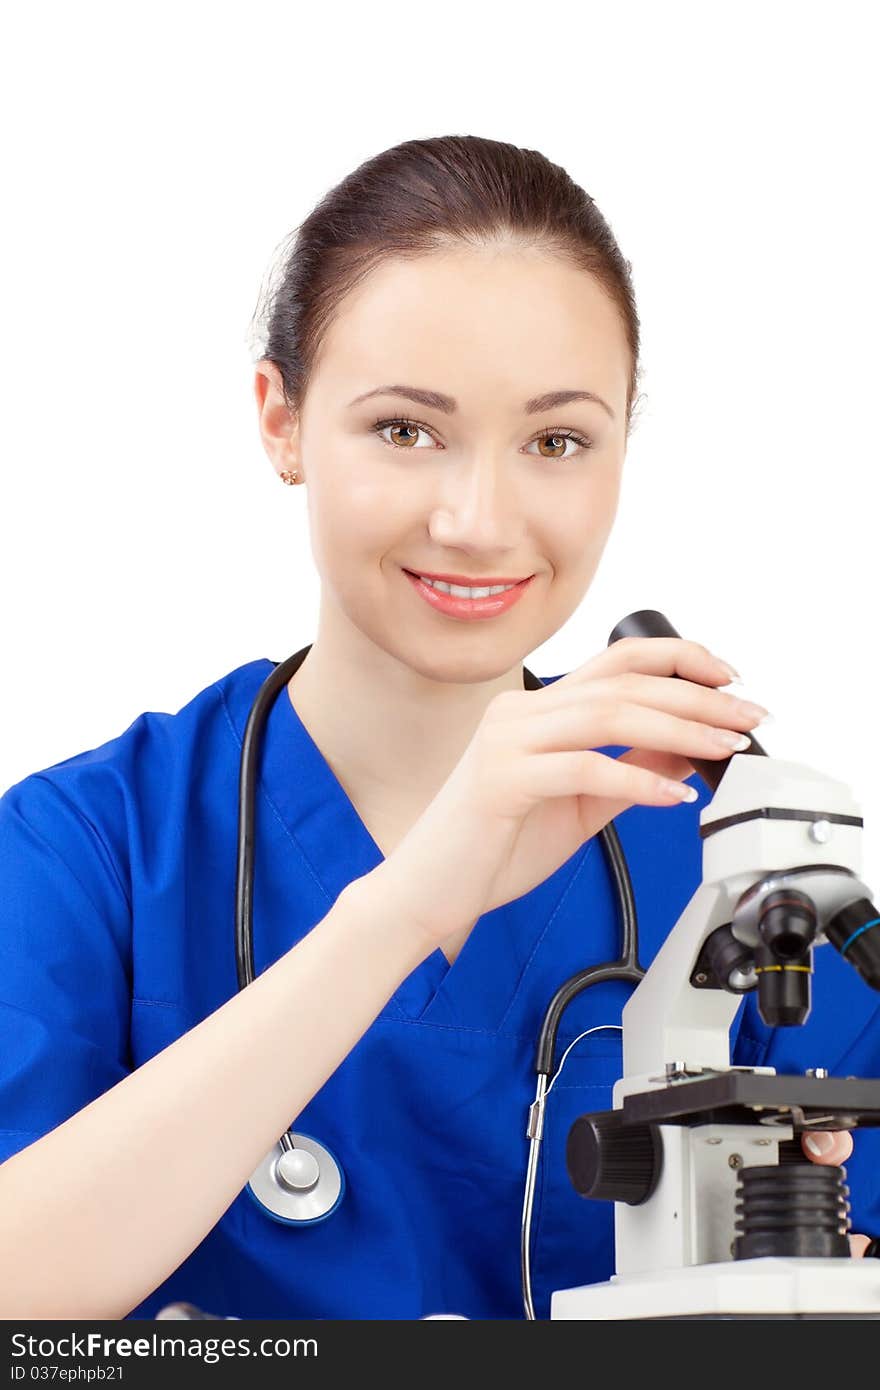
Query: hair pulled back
{"points": [[420, 197]]}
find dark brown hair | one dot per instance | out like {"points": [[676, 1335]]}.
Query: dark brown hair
{"points": [[423, 196]]}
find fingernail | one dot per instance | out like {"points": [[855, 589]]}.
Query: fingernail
{"points": [[819, 1143], [734, 675], [753, 711]]}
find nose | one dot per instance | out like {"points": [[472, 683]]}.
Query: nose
{"points": [[480, 508]]}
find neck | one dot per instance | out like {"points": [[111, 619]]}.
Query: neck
{"points": [[382, 723]]}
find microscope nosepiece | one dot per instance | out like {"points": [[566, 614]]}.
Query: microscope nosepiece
{"points": [[855, 931]]}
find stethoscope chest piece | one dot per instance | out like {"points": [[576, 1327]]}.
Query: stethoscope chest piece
{"points": [[298, 1185]]}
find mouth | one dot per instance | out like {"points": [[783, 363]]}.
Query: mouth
{"points": [[451, 604]]}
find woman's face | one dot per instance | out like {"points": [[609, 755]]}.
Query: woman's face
{"points": [[484, 488]]}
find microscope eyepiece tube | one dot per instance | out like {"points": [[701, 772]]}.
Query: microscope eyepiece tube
{"points": [[648, 622]]}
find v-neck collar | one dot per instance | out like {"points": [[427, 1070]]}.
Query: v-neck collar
{"points": [[314, 788]]}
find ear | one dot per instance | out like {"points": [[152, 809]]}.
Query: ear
{"points": [[279, 426]]}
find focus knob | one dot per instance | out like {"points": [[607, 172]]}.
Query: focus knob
{"points": [[612, 1161]]}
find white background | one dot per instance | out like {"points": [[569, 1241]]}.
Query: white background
{"points": [[154, 158]]}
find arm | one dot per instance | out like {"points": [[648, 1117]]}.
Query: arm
{"points": [[98, 1212]]}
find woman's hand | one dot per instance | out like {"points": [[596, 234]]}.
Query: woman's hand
{"points": [[833, 1147], [530, 788]]}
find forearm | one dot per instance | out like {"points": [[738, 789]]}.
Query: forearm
{"points": [[97, 1213]]}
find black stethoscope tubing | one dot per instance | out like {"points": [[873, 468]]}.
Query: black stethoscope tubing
{"points": [[247, 791]]}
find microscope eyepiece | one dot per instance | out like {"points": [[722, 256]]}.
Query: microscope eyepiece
{"points": [[784, 957], [855, 931]]}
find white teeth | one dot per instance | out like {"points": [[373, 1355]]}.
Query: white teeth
{"points": [[460, 591]]}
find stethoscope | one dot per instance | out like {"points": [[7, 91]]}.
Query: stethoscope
{"points": [[300, 1182]]}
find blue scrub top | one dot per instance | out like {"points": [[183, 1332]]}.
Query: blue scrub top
{"points": [[117, 877]]}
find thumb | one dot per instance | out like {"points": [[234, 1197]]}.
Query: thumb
{"points": [[596, 812], [664, 764]]}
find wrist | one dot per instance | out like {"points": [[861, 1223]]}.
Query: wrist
{"points": [[379, 899]]}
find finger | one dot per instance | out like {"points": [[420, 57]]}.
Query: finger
{"points": [[636, 711], [858, 1245], [658, 656], [827, 1146]]}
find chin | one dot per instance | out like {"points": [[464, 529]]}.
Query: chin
{"points": [[482, 666]]}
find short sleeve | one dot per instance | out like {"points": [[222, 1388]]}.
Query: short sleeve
{"points": [[65, 962]]}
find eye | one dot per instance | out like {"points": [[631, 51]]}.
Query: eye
{"points": [[559, 437], [412, 429]]}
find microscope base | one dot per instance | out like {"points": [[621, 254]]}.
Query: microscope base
{"points": [[757, 1288]]}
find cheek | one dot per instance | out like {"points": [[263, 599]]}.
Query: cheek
{"points": [[574, 530], [371, 504], [599, 511], [353, 524]]}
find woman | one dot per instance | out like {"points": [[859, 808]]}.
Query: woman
{"points": [[449, 367]]}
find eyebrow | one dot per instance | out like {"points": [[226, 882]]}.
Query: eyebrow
{"points": [[448, 404]]}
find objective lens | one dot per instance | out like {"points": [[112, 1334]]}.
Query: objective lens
{"points": [[855, 931], [784, 957], [783, 988], [729, 960]]}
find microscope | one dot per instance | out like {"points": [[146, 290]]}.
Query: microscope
{"points": [[717, 1212]]}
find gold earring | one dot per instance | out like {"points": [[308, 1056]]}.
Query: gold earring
{"points": [[289, 477]]}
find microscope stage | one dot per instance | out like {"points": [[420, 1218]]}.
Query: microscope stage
{"points": [[743, 1097]]}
